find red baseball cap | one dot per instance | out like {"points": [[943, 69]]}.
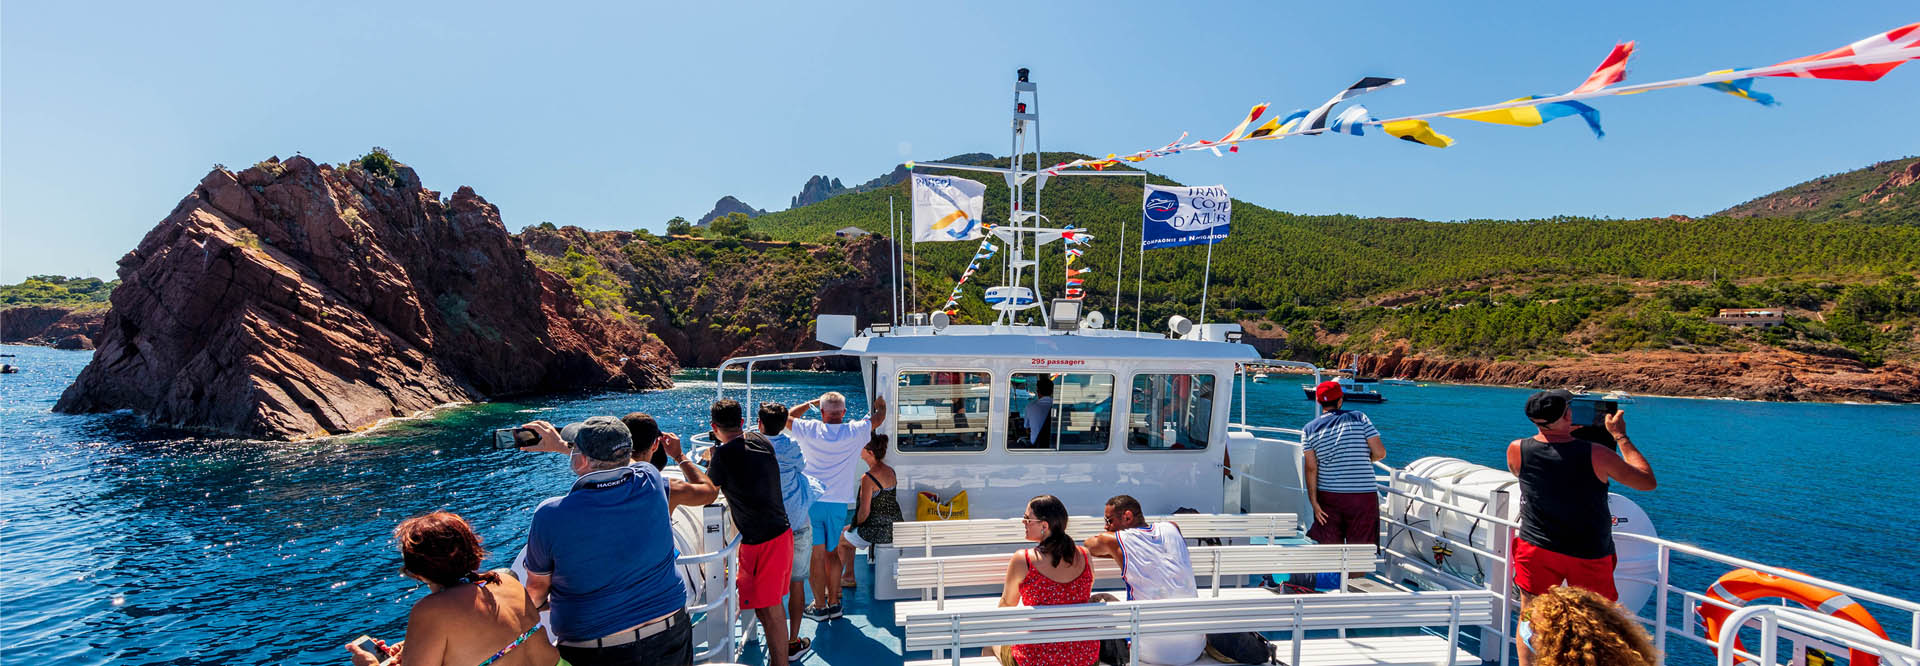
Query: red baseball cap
{"points": [[1328, 391]]}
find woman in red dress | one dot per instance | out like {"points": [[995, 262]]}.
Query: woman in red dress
{"points": [[1055, 571]]}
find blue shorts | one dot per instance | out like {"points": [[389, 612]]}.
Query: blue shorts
{"points": [[827, 518]]}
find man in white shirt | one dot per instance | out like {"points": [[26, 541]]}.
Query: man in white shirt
{"points": [[832, 446], [1155, 564]]}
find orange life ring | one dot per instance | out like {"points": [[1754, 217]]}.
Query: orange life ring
{"points": [[1740, 586]]}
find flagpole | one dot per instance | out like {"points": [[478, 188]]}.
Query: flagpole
{"points": [[1140, 258], [893, 254], [1206, 277]]}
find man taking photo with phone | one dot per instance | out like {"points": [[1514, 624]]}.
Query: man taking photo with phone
{"points": [[1566, 530]]}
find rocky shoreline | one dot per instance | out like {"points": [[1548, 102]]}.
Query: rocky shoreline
{"points": [[59, 327], [1765, 374]]}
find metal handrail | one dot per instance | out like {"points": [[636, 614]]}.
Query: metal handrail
{"points": [[720, 373], [1771, 618], [728, 598]]}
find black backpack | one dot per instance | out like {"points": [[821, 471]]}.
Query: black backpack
{"points": [[1241, 647]]}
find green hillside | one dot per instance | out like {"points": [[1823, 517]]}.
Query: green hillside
{"points": [[1883, 193], [57, 290], [1478, 288]]}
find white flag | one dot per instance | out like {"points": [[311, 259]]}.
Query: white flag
{"points": [[947, 208]]}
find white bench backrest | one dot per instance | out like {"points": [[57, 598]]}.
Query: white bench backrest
{"points": [[951, 630], [925, 534], [943, 572]]}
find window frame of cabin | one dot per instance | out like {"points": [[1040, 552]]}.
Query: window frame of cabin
{"points": [[1126, 434], [1113, 395], [899, 432]]}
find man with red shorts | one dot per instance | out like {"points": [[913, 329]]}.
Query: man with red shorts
{"points": [[747, 470], [1566, 530]]}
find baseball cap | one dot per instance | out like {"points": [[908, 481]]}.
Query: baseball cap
{"points": [[1547, 406], [602, 438], [1328, 391]]}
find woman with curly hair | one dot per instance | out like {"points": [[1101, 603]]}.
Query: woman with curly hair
{"points": [[1571, 626]]}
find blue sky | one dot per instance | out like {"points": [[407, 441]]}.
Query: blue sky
{"points": [[623, 116]]}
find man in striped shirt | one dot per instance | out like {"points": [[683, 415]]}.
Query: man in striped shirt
{"points": [[1340, 447]]}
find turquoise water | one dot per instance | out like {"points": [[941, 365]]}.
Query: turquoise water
{"points": [[130, 545]]}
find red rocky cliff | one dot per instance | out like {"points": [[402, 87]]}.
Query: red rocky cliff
{"points": [[1765, 374], [52, 326], [294, 300]]}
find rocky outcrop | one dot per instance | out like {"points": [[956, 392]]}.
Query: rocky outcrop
{"points": [[294, 300], [1765, 374], [1902, 178], [728, 204], [818, 189], [52, 326], [734, 297]]}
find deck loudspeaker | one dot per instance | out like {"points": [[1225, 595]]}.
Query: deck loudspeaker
{"points": [[939, 321], [1180, 326], [1093, 320]]}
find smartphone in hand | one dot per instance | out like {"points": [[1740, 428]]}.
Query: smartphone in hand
{"points": [[367, 643], [515, 438]]}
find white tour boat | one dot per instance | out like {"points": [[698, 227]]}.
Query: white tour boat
{"points": [[1153, 415]]}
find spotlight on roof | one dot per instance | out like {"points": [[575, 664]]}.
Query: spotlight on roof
{"points": [[880, 329], [1235, 336], [1180, 326], [1064, 315]]}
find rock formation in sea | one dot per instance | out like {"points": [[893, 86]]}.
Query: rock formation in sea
{"points": [[728, 204], [1762, 374], [295, 299], [52, 326]]}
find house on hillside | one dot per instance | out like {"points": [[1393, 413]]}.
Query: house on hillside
{"points": [[1750, 317], [850, 233]]}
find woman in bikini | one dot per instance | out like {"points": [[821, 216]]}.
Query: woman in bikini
{"points": [[470, 617], [879, 509], [1055, 571]]}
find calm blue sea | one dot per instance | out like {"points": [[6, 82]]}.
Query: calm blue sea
{"points": [[129, 545]]}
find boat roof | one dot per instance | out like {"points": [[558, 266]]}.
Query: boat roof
{"points": [[1035, 342]]}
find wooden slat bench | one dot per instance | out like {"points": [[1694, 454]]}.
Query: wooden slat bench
{"points": [[963, 632]]}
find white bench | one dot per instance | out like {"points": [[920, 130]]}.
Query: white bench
{"points": [[958, 632], [935, 575], [926, 534]]}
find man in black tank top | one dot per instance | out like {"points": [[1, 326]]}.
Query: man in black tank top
{"points": [[1566, 530]]}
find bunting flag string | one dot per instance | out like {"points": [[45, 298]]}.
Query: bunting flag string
{"points": [[986, 251], [1868, 59], [1074, 238]]}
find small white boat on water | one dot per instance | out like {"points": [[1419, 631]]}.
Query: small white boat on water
{"points": [[1398, 381]]}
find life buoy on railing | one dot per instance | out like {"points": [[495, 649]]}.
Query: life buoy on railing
{"points": [[1739, 586]]}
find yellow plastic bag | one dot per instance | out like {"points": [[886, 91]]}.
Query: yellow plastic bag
{"points": [[929, 507]]}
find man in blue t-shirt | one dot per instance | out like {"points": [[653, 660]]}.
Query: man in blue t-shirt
{"points": [[1340, 447], [603, 553]]}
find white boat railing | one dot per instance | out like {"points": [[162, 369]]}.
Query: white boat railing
{"points": [[1663, 586], [720, 373], [1810, 623], [727, 647]]}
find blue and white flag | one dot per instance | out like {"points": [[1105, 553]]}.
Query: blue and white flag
{"points": [[947, 208], [1176, 216], [1351, 120]]}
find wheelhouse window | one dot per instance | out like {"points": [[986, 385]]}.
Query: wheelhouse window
{"points": [[1170, 413], [943, 410], [1060, 412]]}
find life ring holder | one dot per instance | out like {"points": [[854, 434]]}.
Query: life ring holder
{"points": [[1739, 586]]}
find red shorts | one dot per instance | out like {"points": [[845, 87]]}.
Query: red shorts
{"points": [[764, 570], [1536, 569]]}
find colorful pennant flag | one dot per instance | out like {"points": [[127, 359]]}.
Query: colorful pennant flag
{"points": [[1278, 125], [1350, 120], [1240, 129], [1741, 88], [1538, 114], [1611, 70], [1317, 118], [1903, 37], [1417, 131]]}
